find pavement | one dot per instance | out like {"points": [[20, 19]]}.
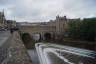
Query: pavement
{"points": [[12, 49], [4, 35]]}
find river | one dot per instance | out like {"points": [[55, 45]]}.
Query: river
{"points": [[59, 54]]}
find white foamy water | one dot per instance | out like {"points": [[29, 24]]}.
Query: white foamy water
{"points": [[58, 54]]}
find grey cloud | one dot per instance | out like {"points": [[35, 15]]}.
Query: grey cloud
{"points": [[34, 10]]}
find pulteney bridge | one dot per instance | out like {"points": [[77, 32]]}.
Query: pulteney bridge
{"points": [[39, 30]]}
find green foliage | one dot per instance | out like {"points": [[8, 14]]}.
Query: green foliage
{"points": [[85, 29], [88, 29], [74, 28]]}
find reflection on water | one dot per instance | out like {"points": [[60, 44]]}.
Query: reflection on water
{"points": [[34, 57], [36, 37]]}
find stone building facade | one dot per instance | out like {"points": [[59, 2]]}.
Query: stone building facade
{"points": [[60, 23], [55, 27], [5, 24], [2, 20]]}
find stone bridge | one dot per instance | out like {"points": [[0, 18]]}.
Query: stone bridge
{"points": [[39, 30]]}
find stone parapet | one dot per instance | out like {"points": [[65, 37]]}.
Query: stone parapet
{"points": [[13, 51]]}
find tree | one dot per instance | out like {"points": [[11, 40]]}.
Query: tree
{"points": [[88, 29], [85, 29], [74, 28]]}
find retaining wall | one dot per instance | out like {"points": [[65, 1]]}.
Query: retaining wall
{"points": [[13, 51]]}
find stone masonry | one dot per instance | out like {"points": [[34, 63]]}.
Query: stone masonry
{"points": [[14, 51]]}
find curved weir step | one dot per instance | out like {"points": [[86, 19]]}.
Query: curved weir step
{"points": [[59, 54]]}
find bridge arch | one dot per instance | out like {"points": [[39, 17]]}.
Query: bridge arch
{"points": [[26, 37], [47, 35]]}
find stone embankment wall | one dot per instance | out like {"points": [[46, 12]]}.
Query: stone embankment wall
{"points": [[13, 51]]}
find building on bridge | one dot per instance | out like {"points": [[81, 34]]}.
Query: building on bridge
{"points": [[55, 28]]}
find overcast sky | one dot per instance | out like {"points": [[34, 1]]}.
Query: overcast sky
{"points": [[44, 10]]}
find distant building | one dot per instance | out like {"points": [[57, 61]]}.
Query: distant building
{"points": [[6, 23], [2, 20], [23, 24], [10, 24]]}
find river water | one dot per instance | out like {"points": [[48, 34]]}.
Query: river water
{"points": [[34, 57], [58, 54]]}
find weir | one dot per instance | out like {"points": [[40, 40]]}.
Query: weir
{"points": [[58, 54]]}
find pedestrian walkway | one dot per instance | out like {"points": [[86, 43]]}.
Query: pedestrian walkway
{"points": [[4, 35]]}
